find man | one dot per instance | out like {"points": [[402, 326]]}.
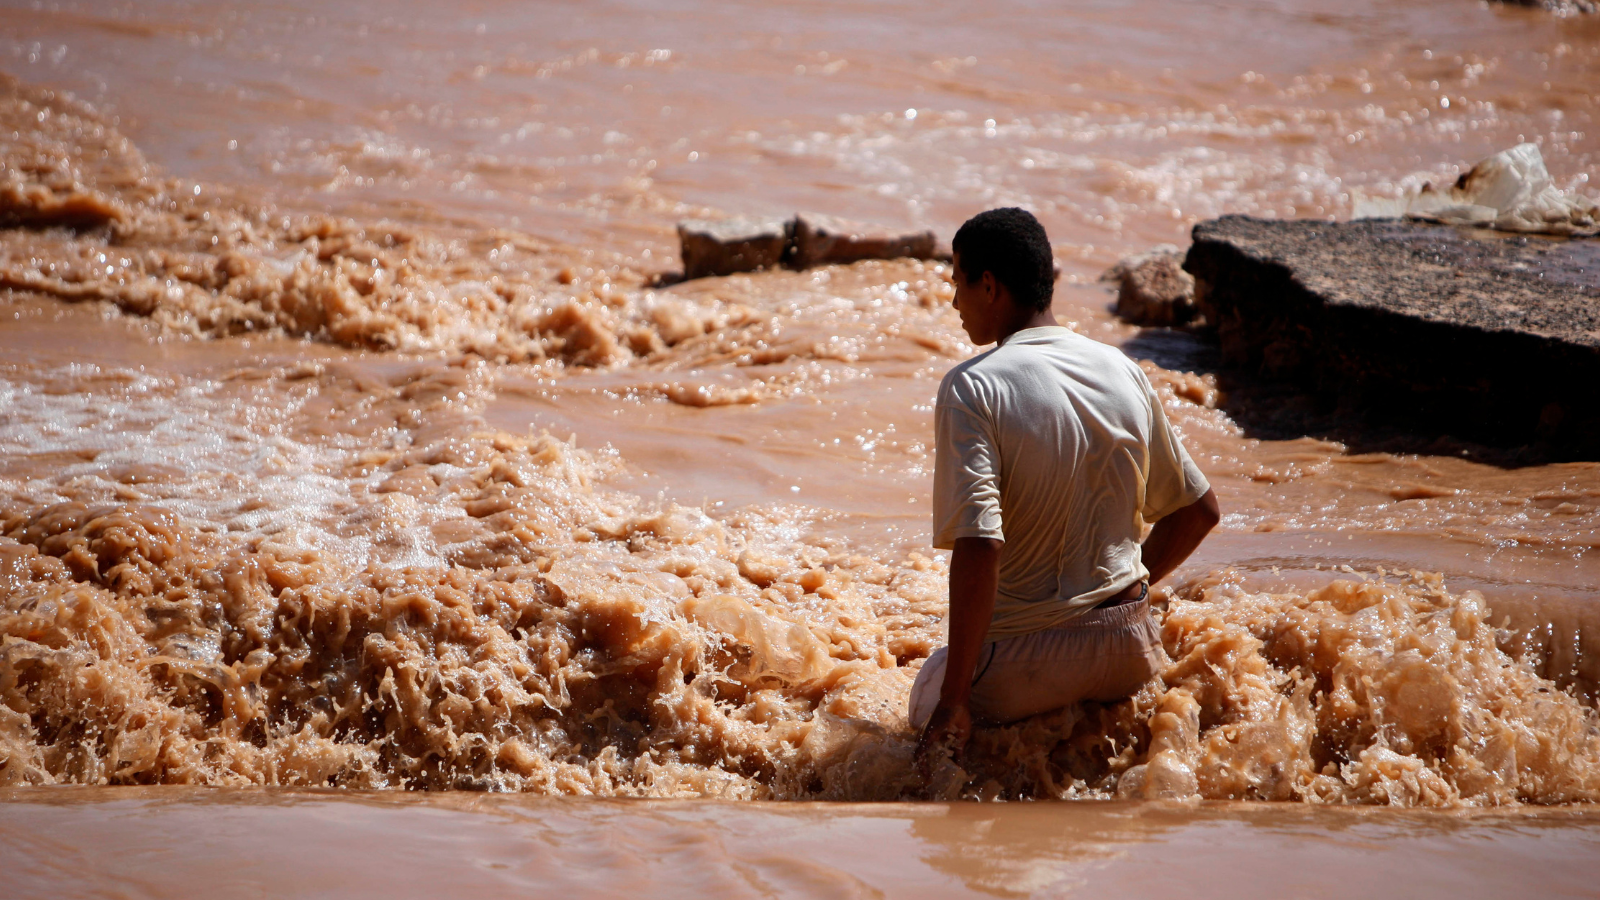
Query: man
{"points": [[1052, 453]]}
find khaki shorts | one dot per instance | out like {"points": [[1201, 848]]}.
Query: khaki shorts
{"points": [[1105, 654]]}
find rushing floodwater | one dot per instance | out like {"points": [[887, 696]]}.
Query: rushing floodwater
{"points": [[350, 436]]}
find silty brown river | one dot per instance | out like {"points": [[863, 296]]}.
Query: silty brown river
{"points": [[350, 437]]}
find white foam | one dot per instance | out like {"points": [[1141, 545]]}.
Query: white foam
{"points": [[236, 470]]}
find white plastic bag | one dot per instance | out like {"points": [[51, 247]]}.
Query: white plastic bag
{"points": [[1509, 191]]}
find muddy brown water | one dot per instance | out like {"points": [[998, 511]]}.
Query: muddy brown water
{"points": [[383, 845], [347, 438]]}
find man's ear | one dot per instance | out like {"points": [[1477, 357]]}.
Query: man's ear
{"points": [[996, 295]]}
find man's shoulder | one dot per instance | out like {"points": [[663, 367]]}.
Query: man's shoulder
{"points": [[1099, 361], [1073, 355], [1062, 355], [958, 385], [1087, 348]]}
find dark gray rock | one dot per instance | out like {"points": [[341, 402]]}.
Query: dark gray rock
{"points": [[726, 246], [1463, 332], [821, 240]]}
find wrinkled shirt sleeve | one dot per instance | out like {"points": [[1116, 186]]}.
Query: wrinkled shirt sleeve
{"points": [[1172, 480], [966, 476]]}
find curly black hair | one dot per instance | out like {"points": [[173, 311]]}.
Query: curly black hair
{"points": [[1012, 244]]}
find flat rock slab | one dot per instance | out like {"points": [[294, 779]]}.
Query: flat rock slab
{"points": [[822, 240], [1464, 332], [726, 246]]}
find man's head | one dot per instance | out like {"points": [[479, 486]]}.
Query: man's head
{"points": [[1004, 273]]}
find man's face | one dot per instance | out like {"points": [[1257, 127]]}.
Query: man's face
{"points": [[976, 304]]}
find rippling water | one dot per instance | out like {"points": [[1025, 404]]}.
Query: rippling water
{"points": [[350, 435]]}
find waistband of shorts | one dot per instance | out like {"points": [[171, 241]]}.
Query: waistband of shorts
{"points": [[1109, 617]]}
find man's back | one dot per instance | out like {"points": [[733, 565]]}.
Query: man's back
{"points": [[1056, 444], [1052, 452]]}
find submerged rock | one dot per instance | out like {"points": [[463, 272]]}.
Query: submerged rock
{"points": [[731, 245], [820, 240], [1153, 288], [723, 247], [1460, 331]]}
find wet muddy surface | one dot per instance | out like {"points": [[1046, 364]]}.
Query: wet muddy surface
{"points": [[506, 845]]}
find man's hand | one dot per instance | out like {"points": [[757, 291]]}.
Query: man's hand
{"points": [[947, 731], [974, 575]]}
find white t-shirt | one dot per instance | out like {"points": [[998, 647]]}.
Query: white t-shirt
{"points": [[1057, 445]]}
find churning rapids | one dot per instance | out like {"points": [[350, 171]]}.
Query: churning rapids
{"points": [[289, 525]]}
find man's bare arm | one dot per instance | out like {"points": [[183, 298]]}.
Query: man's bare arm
{"points": [[1176, 536], [974, 578]]}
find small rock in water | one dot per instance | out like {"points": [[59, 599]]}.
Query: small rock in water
{"points": [[820, 240], [1153, 288], [727, 246]]}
